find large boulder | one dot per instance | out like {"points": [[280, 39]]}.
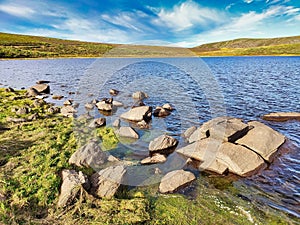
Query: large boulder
{"points": [[72, 182], [282, 116], [127, 132], [218, 156], [162, 144], [138, 114], [89, 155], [263, 140], [174, 180], [223, 128], [42, 88], [106, 182]]}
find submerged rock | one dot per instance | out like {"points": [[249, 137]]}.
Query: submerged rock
{"points": [[72, 182], [138, 114], [68, 111], [96, 123], [282, 116], [116, 123], [57, 97], [127, 132], [156, 158], [106, 182], [174, 180], [89, 106]]}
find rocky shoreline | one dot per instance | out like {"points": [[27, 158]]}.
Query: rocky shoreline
{"points": [[222, 145]]}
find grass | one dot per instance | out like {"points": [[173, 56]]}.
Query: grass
{"points": [[251, 47], [34, 153]]}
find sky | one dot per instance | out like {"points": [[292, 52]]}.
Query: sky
{"points": [[186, 23]]}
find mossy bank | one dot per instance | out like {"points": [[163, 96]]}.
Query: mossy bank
{"points": [[35, 151]]}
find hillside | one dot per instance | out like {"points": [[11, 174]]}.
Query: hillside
{"points": [[247, 46], [24, 46]]}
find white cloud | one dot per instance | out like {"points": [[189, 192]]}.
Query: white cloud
{"points": [[17, 10], [187, 15]]}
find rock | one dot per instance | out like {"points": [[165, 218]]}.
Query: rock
{"points": [[138, 114], [68, 102], [189, 132], [72, 182], [117, 104], [68, 111], [9, 89], [139, 95], [161, 112], [15, 120], [2, 197], [104, 106], [43, 82], [95, 101], [96, 123], [143, 124], [282, 116], [89, 155], [116, 123], [156, 158], [22, 111], [114, 92], [53, 110], [228, 129], [57, 97], [31, 92], [162, 144], [89, 106], [263, 140], [127, 132], [239, 159], [218, 156], [138, 103], [106, 182], [167, 106], [223, 128], [71, 93], [42, 88], [39, 103], [175, 180], [75, 105], [33, 117]]}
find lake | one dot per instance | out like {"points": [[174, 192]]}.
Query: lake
{"points": [[200, 89]]}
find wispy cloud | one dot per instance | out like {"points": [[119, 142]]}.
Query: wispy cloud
{"points": [[187, 15], [17, 10]]}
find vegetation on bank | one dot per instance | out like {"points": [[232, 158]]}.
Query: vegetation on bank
{"points": [[33, 154], [251, 47], [24, 46]]}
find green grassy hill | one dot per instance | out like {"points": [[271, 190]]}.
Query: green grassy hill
{"points": [[24, 46], [247, 46]]}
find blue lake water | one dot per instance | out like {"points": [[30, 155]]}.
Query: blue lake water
{"points": [[243, 87]]}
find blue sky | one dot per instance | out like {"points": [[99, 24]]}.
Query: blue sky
{"points": [[184, 23]]}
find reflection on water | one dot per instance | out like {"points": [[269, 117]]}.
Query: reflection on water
{"points": [[251, 87]]}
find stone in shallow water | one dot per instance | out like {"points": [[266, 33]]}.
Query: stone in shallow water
{"points": [[104, 106], [263, 140], [137, 114], [42, 88], [127, 132], [282, 116], [175, 180], [162, 143], [156, 158], [106, 182]]}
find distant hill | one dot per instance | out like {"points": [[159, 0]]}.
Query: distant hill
{"points": [[248, 46], [25, 46]]}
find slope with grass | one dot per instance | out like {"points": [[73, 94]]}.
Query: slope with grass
{"points": [[251, 47]]}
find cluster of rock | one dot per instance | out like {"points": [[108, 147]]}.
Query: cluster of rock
{"points": [[220, 145]]}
